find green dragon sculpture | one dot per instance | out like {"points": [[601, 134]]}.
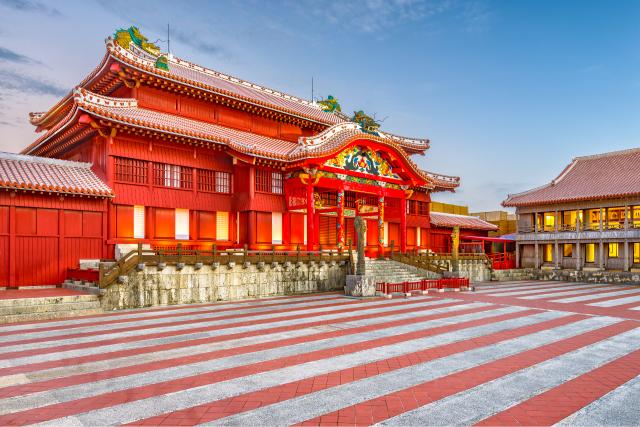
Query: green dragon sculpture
{"points": [[367, 123], [162, 62], [132, 34], [330, 105]]}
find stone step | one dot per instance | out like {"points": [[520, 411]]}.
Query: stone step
{"points": [[48, 307], [44, 308], [84, 287], [30, 317], [13, 302]]}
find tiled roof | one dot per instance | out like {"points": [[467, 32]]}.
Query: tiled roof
{"points": [[41, 174], [444, 182], [207, 79], [602, 176], [126, 110], [190, 74], [439, 219]]}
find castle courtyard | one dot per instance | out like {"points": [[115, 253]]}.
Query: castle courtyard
{"points": [[531, 353]]}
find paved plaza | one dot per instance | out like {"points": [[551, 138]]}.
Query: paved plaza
{"points": [[531, 353]]}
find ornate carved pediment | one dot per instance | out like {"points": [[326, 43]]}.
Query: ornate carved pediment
{"points": [[363, 160]]}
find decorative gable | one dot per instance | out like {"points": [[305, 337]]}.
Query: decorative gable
{"points": [[362, 160]]}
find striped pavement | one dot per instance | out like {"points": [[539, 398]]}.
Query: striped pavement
{"points": [[529, 353]]}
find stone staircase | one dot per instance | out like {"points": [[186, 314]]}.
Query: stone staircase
{"points": [[385, 270], [84, 286], [50, 307]]}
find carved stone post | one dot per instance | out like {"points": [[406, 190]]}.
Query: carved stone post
{"points": [[360, 225]]}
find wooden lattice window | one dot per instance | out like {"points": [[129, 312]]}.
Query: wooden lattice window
{"points": [[263, 181], [131, 170], [214, 181], [174, 176], [269, 182], [223, 182], [206, 180]]}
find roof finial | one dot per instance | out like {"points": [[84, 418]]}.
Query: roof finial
{"points": [[168, 39]]}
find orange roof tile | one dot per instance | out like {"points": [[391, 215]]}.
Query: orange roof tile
{"points": [[41, 174], [601, 176]]}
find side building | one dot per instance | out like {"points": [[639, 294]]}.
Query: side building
{"points": [[586, 218]]}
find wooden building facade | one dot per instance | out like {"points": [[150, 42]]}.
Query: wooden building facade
{"points": [[191, 155]]}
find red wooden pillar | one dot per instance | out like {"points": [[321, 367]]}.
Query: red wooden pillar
{"points": [[286, 228], [381, 227], [252, 235], [403, 225], [62, 258], [310, 217], [316, 229], [12, 247], [340, 203]]}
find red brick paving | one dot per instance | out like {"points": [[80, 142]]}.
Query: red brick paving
{"points": [[223, 408], [393, 404], [558, 403], [119, 397], [39, 293], [150, 366]]}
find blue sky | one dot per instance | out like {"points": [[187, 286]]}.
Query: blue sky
{"points": [[508, 91]]}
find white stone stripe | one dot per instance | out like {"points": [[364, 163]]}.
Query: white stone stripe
{"points": [[524, 287], [533, 291], [144, 408], [602, 294], [376, 311], [138, 323], [563, 293], [67, 394], [306, 309], [505, 285], [615, 302], [470, 406], [618, 407], [332, 399], [120, 362], [135, 314]]}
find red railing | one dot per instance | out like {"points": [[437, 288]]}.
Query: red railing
{"points": [[502, 261], [422, 285]]}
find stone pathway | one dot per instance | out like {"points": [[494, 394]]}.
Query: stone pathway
{"points": [[531, 353]]}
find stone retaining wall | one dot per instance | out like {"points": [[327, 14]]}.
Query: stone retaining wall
{"points": [[474, 269], [567, 276], [152, 286]]}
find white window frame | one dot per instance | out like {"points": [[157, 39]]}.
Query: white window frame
{"points": [[276, 228], [138, 222], [182, 224]]}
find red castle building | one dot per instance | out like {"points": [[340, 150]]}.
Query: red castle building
{"points": [[153, 149]]}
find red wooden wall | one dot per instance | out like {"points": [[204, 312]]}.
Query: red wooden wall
{"points": [[43, 235]]}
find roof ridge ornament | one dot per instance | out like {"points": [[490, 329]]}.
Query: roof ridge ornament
{"points": [[330, 105], [367, 123], [124, 38], [133, 35]]}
